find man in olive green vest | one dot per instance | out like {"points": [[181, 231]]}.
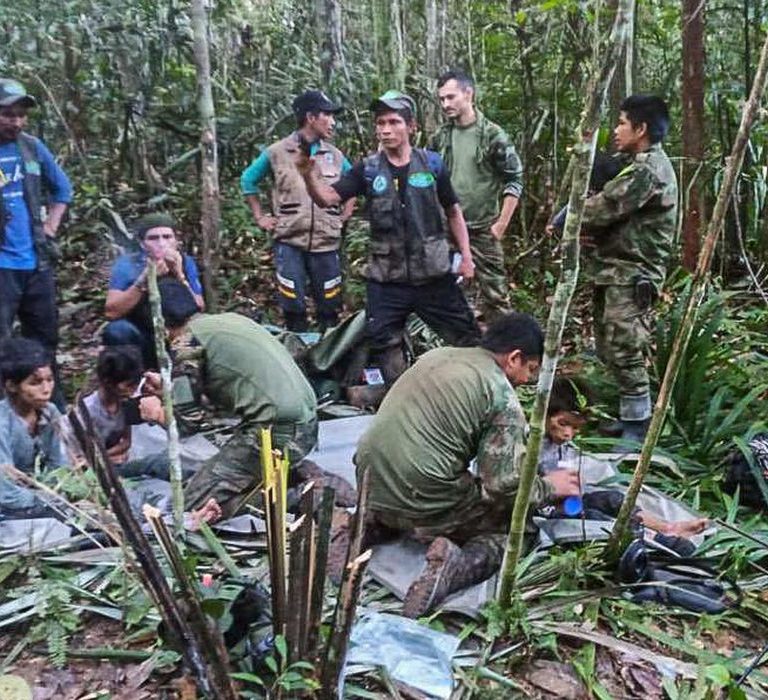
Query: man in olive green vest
{"points": [[633, 223], [306, 236], [486, 173]]}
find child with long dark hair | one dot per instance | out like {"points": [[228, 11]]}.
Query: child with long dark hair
{"points": [[28, 438]]}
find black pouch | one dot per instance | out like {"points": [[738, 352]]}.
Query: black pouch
{"points": [[645, 294]]}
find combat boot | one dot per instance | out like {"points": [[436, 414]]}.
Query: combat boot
{"points": [[449, 568]]}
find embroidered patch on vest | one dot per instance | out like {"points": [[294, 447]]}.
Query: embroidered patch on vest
{"points": [[379, 184], [421, 179]]}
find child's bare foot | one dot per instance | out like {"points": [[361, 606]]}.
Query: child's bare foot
{"points": [[209, 513], [686, 528]]}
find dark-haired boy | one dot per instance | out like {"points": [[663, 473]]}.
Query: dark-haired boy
{"points": [[306, 237], [455, 405], [487, 174], [633, 223], [408, 190]]}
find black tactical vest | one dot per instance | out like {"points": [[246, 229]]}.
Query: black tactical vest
{"points": [[408, 240], [45, 247]]}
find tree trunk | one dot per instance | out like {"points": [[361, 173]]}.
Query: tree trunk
{"points": [[397, 44], [330, 38], [584, 152], [695, 297], [693, 129], [432, 65], [209, 212]]}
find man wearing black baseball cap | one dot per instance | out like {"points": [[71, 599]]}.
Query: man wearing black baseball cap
{"points": [[409, 264], [306, 237], [30, 182]]}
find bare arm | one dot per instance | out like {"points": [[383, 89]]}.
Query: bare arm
{"points": [[349, 207], [56, 212], [120, 302], [458, 228], [500, 226], [263, 221]]}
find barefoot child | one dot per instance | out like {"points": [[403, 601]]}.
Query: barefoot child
{"points": [[565, 418]]}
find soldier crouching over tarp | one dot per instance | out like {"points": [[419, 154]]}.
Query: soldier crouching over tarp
{"points": [[228, 363], [455, 405]]}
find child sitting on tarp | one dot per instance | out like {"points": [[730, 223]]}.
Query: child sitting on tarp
{"points": [[28, 439], [566, 415]]}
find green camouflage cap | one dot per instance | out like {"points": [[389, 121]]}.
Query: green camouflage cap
{"points": [[395, 100], [12, 92]]}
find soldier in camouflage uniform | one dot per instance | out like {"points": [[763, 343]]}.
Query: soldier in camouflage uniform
{"points": [[633, 222], [455, 405], [228, 363], [487, 175]]}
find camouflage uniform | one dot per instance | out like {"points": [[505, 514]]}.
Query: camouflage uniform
{"points": [[453, 405], [228, 363], [633, 222], [484, 168]]}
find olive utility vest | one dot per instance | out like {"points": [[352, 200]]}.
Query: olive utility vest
{"points": [[45, 247], [300, 222], [408, 240]]}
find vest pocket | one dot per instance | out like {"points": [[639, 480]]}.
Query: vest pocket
{"points": [[437, 259]]}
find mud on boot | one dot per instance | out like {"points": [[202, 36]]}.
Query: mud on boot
{"points": [[439, 578]]}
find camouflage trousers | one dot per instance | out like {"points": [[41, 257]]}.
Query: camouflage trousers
{"points": [[482, 525], [622, 336], [231, 475], [488, 293]]}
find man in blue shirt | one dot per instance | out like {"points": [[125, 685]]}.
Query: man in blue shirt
{"points": [[306, 236], [30, 183], [127, 304]]}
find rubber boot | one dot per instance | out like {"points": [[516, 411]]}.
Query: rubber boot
{"points": [[635, 414], [449, 568], [634, 432]]}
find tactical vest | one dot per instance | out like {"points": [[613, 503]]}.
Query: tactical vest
{"points": [[408, 241], [45, 247], [300, 222]]}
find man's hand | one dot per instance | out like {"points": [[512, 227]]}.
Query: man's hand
{"points": [[49, 229], [153, 384], [175, 264], [266, 222], [498, 229], [564, 482], [118, 453], [151, 410], [467, 268]]}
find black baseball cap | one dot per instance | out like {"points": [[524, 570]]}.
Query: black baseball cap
{"points": [[12, 92], [314, 101], [396, 101]]}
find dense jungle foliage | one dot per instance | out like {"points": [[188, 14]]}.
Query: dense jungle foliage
{"points": [[117, 88]]}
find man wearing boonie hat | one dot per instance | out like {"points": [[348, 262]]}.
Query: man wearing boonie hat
{"points": [[306, 236], [30, 183], [408, 192]]}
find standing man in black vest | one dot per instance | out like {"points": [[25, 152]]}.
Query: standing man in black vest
{"points": [[28, 250], [407, 190]]}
